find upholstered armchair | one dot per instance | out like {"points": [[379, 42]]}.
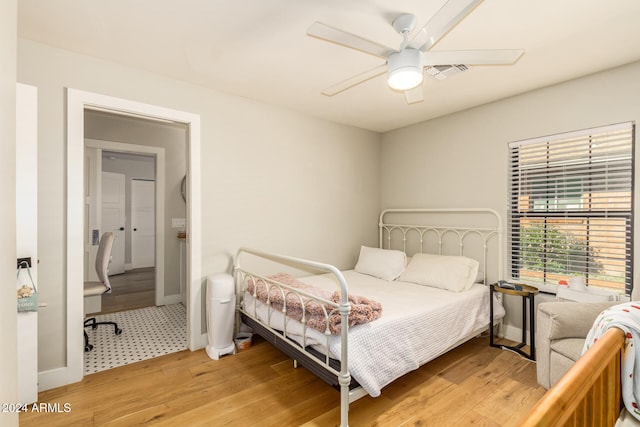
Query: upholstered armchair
{"points": [[561, 330]]}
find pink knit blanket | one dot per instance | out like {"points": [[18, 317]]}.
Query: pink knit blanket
{"points": [[363, 310]]}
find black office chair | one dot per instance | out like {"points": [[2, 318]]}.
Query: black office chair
{"points": [[103, 258]]}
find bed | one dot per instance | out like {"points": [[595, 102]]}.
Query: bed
{"points": [[301, 306]]}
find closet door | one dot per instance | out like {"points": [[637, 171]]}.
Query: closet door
{"points": [[114, 217], [143, 242]]}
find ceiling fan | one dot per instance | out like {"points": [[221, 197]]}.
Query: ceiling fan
{"points": [[405, 66]]}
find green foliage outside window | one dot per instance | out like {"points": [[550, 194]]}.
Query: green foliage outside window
{"points": [[545, 247]]}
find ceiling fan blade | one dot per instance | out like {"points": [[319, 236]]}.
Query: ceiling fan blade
{"points": [[355, 80], [335, 35], [414, 95], [444, 20], [472, 57]]}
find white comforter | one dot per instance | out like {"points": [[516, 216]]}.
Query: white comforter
{"points": [[418, 324]]}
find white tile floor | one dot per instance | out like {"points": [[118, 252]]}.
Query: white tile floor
{"points": [[146, 333]]}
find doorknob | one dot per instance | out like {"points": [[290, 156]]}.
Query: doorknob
{"points": [[121, 228]]}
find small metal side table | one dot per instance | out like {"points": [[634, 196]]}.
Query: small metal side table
{"points": [[527, 293]]}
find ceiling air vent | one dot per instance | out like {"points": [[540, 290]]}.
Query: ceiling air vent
{"points": [[441, 72]]}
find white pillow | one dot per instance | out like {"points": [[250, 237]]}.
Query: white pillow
{"points": [[384, 264], [453, 273]]}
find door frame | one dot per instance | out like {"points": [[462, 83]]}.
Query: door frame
{"points": [[159, 154], [77, 101]]}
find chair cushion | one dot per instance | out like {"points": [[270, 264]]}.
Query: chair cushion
{"points": [[94, 288], [558, 366], [571, 348], [564, 354]]}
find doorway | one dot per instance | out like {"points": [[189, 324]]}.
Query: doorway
{"points": [[149, 152], [77, 102], [132, 161]]}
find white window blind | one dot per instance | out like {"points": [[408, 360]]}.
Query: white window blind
{"points": [[571, 207]]}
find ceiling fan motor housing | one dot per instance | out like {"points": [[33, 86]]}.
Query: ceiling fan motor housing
{"points": [[405, 69]]}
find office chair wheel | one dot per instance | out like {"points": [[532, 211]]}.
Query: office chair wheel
{"points": [[87, 346]]}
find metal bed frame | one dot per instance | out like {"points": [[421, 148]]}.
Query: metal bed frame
{"points": [[335, 372]]}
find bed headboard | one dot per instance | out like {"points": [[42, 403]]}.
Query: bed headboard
{"points": [[475, 233]]}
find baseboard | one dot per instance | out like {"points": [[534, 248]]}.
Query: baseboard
{"points": [[128, 267], [200, 342], [172, 299], [53, 378], [513, 333]]}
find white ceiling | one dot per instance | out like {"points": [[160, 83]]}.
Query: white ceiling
{"points": [[259, 49]]}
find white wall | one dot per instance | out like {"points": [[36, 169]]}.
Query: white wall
{"points": [[8, 310], [271, 178], [282, 181], [460, 160]]}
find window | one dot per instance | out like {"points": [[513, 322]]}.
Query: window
{"points": [[571, 207]]}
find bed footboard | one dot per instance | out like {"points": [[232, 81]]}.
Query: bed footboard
{"points": [[589, 393], [321, 367]]}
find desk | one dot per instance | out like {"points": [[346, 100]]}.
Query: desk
{"points": [[527, 293]]}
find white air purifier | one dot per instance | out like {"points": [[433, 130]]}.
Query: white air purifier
{"points": [[220, 306]]}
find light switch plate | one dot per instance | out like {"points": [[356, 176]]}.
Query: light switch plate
{"points": [[178, 223]]}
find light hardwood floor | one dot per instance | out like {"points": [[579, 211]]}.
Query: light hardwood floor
{"points": [[472, 385]]}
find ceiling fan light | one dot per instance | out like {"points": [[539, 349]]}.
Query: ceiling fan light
{"points": [[405, 78], [404, 69]]}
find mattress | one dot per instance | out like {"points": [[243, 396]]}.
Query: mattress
{"points": [[418, 324]]}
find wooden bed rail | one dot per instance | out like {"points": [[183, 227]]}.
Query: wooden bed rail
{"points": [[589, 394]]}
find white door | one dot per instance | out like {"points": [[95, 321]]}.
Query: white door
{"points": [[143, 204], [114, 216]]}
